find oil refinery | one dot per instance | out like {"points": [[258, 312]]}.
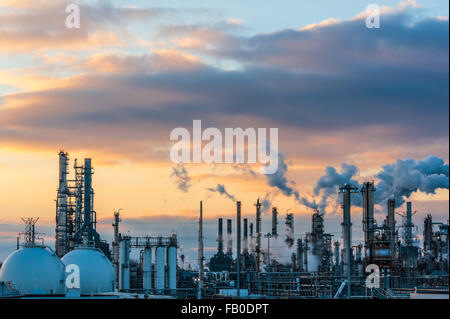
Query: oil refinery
{"points": [[389, 264]]}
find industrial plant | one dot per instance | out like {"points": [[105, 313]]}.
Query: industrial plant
{"points": [[389, 264]]}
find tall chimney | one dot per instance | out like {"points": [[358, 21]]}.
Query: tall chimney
{"points": [[229, 238], [258, 234], [238, 247], [274, 222], [220, 239], [245, 241], [200, 253]]}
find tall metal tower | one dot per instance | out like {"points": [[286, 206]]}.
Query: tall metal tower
{"points": [[346, 191]]}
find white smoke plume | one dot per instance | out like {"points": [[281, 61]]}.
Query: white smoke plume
{"points": [[404, 177], [398, 181]]}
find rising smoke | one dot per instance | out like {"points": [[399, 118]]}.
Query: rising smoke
{"points": [[404, 177], [220, 188], [398, 181], [279, 179], [181, 176]]}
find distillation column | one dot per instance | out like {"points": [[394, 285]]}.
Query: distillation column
{"points": [[368, 220], [391, 227], [61, 206], [346, 191]]}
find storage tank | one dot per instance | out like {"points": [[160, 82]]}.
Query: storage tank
{"points": [[172, 267], [34, 270], [96, 270], [160, 268]]}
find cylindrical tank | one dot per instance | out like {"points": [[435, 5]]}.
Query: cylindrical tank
{"points": [[96, 270], [160, 268], [147, 275], [124, 267], [172, 267], [34, 270]]}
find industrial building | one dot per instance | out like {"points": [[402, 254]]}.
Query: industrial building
{"points": [[320, 264]]}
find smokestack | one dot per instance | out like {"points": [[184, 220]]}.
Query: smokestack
{"points": [[427, 232], [245, 242], [258, 234], [274, 222], [229, 238], [220, 239], [368, 219], [238, 247], [346, 191], [200, 253], [289, 230]]}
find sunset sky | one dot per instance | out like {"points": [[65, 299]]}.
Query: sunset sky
{"points": [[114, 89]]}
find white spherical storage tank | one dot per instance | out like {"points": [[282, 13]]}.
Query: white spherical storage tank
{"points": [[96, 270], [34, 271]]}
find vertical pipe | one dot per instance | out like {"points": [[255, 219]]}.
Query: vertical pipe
{"points": [[147, 275], [200, 253], [238, 247]]}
